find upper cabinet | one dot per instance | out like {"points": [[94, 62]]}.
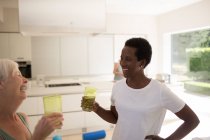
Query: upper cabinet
{"points": [[20, 47], [4, 46], [74, 56], [15, 46], [46, 56], [100, 51], [62, 16]]}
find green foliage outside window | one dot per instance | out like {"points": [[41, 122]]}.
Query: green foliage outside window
{"points": [[199, 59], [180, 59], [191, 59], [195, 64], [205, 57]]}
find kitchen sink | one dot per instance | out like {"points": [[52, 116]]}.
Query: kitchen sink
{"points": [[62, 84]]}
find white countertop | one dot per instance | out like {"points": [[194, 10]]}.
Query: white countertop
{"points": [[35, 90]]}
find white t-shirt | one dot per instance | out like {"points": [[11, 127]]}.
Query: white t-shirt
{"points": [[141, 111]]}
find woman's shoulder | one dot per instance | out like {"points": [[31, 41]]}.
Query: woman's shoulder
{"points": [[157, 83], [23, 117], [119, 84]]}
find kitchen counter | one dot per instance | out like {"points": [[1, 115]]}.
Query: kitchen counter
{"points": [[35, 90]]}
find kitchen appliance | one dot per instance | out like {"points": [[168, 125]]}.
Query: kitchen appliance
{"points": [[25, 68]]}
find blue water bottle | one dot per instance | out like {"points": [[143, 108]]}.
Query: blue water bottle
{"points": [[57, 137]]}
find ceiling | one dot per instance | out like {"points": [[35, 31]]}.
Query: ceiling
{"points": [[150, 7]]}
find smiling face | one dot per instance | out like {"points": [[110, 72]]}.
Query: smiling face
{"points": [[130, 64], [17, 84], [13, 86]]}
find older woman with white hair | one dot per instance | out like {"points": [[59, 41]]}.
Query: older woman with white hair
{"points": [[13, 125]]}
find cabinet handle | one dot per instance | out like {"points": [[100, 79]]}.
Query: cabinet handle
{"points": [[20, 58]]}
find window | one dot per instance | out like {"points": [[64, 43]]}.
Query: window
{"points": [[190, 53]]}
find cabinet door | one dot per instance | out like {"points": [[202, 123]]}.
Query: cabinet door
{"points": [[73, 114], [100, 51], [74, 55], [92, 119], [30, 106], [46, 56], [4, 46], [33, 120], [73, 121], [20, 47], [72, 102], [104, 99]]}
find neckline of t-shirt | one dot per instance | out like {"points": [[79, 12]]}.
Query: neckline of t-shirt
{"points": [[139, 89]]}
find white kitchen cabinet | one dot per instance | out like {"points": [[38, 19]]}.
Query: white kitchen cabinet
{"points": [[74, 56], [73, 114], [32, 106], [92, 119], [33, 120], [29, 106], [20, 47], [4, 45], [74, 120], [68, 16], [100, 54], [71, 102], [46, 56], [104, 99]]}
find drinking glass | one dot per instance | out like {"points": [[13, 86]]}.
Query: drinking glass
{"points": [[52, 104], [88, 99]]}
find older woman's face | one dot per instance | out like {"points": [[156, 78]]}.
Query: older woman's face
{"points": [[16, 85]]}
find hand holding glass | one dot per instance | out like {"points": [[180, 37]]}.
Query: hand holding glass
{"points": [[88, 99], [53, 104]]}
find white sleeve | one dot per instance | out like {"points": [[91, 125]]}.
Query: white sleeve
{"points": [[171, 101], [113, 95]]}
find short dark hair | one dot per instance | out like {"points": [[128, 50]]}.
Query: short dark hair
{"points": [[143, 49]]}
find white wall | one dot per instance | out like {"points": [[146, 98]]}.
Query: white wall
{"points": [[136, 24], [184, 19]]}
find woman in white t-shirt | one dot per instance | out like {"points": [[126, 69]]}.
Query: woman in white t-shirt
{"points": [[139, 104]]}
